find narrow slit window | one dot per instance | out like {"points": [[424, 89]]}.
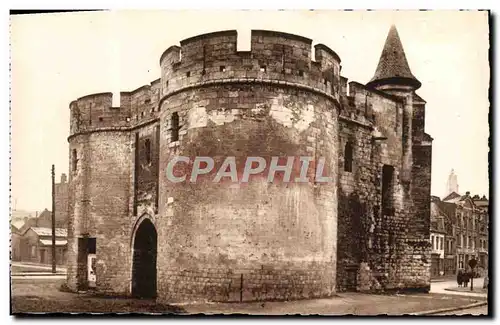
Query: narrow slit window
{"points": [[147, 149], [74, 160], [174, 127], [387, 190], [348, 157]]}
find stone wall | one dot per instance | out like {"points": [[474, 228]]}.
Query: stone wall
{"points": [[99, 206], [288, 229], [378, 251]]}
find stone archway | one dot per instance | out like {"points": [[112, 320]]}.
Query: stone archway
{"points": [[144, 261]]}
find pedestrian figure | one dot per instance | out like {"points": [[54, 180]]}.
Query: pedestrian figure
{"points": [[466, 279], [460, 278]]}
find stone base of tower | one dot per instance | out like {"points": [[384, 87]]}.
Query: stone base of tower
{"points": [[259, 284]]}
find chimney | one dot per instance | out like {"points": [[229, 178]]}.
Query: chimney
{"points": [[63, 178]]}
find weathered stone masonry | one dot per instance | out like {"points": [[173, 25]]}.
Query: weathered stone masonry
{"points": [[256, 241]]}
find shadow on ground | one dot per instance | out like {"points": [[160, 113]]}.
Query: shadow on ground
{"points": [[36, 296]]}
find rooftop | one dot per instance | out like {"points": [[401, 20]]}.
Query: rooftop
{"points": [[393, 66], [42, 231]]}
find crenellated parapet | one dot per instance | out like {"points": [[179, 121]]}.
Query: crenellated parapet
{"points": [[274, 57], [96, 112]]}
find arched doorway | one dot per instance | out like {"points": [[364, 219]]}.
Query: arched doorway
{"points": [[144, 261]]}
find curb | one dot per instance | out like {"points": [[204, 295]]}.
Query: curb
{"points": [[466, 292], [443, 310], [38, 274]]}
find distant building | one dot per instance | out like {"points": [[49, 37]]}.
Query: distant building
{"points": [[35, 245], [482, 212], [452, 183], [15, 239], [438, 234], [466, 222], [22, 221], [463, 221]]}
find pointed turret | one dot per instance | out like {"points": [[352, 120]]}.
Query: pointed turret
{"points": [[393, 69]]}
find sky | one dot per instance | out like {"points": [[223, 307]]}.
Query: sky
{"points": [[57, 58]]}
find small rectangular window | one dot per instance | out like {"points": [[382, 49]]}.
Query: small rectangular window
{"points": [[263, 68], [348, 157], [74, 160], [222, 68], [174, 122], [387, 190], [188, 74], [147, 149]]}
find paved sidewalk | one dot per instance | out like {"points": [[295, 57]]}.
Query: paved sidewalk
{"points": [[343, 304], [35, 266], [443, 288]]}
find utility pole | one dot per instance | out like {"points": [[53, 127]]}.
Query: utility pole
{"points": [[53, 220]]}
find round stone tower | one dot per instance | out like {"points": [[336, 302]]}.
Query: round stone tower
{"points": [[255, 240], [99, 193], [227, 240]]}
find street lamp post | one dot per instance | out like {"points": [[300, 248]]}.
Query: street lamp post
{"points": [[53, 221], [472, 264]]}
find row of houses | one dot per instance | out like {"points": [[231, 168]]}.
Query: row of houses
{"points": [[459, 233], [34, 244], [31, 236]]}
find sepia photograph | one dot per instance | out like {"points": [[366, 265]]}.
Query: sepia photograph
{"points": [[250, 162]]}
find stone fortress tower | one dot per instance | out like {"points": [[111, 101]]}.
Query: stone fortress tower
{"points": [[131, 231]]}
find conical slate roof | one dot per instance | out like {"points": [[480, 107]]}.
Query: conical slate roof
{"points": [[393, 67]]}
